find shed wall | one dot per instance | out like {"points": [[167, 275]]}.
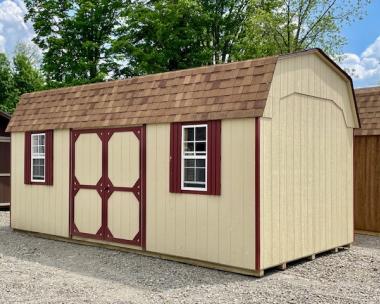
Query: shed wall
{"points": [[43, 209], [218, 229], [367, 183], [306, 162]]}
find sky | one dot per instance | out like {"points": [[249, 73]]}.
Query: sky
{"points": [[361, 54]]}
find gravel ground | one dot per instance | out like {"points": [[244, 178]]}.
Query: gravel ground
{"points": [[35, 270]]}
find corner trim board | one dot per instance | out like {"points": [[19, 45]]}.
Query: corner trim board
{"points": [[257, 195]]}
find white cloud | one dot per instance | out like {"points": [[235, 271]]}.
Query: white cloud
{"points": [[365, 67], [13, 28]]}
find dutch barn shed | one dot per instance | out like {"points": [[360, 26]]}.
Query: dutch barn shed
{"points": [[241, 166], [367, 161]]}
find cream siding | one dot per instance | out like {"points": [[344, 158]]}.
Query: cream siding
{"points": [[37, 208], [307, 171], [218, 229]]}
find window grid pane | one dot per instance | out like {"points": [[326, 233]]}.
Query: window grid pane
{"points": [[38, 157], [194, 157]]}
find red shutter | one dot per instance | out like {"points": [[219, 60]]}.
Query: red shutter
{"points": [[27, 158], [49, 159], [213, 159], [175, 157]]}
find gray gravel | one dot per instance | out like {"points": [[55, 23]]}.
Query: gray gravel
{"points": [[35, 270]]}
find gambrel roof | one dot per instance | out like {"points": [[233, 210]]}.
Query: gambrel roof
{"points": [[232, 90]]}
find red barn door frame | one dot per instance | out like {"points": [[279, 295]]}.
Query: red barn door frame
{"points": [[105, 188]]}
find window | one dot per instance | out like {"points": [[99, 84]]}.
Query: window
{"points": [[38, 161], [194, 157], [38, 157]]}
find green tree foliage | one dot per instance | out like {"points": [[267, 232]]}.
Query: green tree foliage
{"points": [[23, 76], [226, 26], [8, 93], [74, 36], [162, 36], [165, 35], [90, 40], [26, 77], [287, 26]]}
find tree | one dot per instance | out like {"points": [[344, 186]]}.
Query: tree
{"points": [[226, 26], [162, 36], [292, 25], [8, 92], [74, 36], [26, 77], [21, 77]]}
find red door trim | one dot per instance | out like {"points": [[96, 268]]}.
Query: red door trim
{"points": [[143, 186], [105, 188], [257, 195], [71, 197]]}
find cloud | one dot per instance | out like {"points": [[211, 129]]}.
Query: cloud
{"points": [[13, 28], [365, 67]]}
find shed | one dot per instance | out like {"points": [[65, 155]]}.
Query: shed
{"points": [[367, 161], [5, 162], [241, 166]]}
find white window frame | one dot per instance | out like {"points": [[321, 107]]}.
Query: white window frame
{"points": [[37, 156], [195, 157]]}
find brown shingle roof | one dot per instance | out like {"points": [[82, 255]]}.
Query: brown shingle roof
{"points": [[368, 100], [233, 90]]}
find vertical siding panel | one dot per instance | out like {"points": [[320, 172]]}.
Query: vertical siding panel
{"points": [[151, 163], [191, 230], [310, 221], [275, 178], [166, 207], [283, 217], [201, 227], [235, 200], [249, 194], [207, 229], [297, 162], [290, 151], [303, 174], [225, 212], [328, 161], [266, 192], [306, 150], [40, 208]]}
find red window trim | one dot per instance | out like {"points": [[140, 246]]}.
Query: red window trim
{"points": [[49, 158], [213, 157]]}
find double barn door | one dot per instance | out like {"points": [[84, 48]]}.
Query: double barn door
{"points": [[108, 185]]}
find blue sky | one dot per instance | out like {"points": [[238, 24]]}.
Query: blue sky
{"points": [[363, 48], [361, 59]]}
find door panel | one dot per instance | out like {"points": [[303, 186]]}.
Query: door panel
{"points": [[88, 211], [108, 185], [123, 159], [88, 159], [123, 215]]}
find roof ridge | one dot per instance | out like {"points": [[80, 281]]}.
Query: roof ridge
{"points": [[368, 89], [116, 81]]}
